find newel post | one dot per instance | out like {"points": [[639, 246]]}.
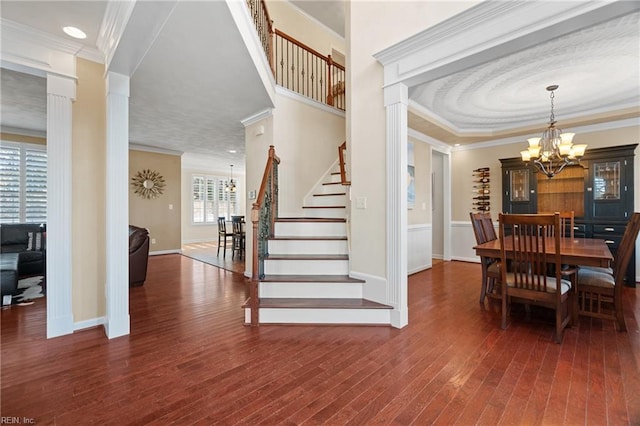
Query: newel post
{"points": [[253, 290], [329, 85]]}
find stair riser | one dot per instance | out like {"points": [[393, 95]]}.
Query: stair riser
{"points": [[308, 247], [335, 177], [305, 290], [306, 267], [328, 200], [321, 316], [311, 229], [332, 213]]}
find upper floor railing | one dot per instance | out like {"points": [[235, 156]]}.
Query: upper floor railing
{"points": [[297, 66]]}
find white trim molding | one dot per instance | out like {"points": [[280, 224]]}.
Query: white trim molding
{"points": [[61, 91], [395, 102], [311, 102], [117, 217], [161, 252]]}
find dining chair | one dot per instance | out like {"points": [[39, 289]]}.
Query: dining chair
{"points": [[484, 231], [237, 224], [600, 289], [567, 223], [223, 235], [527, 280]]}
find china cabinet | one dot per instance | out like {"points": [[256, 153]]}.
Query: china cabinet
{"points": [[599, 190]]}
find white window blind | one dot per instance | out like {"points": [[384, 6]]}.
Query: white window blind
{"points": [[210, 200], [23, 183]]}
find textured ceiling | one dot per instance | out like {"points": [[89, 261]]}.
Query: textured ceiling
{"points": [[191, 91], [597, 70]]}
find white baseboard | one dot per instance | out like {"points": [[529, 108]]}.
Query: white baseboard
{"points": [[419, 269], [200, 240], [94, 322], [159, 252], [466, 259]]}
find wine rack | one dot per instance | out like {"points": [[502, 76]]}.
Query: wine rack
{"points": [[481, 189]]}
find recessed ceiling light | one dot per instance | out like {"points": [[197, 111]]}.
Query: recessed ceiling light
{"points": [[74, 32], [457, 144], [232, 151]]}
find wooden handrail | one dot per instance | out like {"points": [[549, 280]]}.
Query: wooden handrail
{"points": [[268, 183], [343, 169]]}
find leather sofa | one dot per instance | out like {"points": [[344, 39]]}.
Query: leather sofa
{"points": [[22, 253], [138, 255]]}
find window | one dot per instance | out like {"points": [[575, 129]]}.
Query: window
{"points": [[23, 183], [210, 199]]}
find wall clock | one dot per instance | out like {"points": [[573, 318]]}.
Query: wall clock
{"points": [[148, 184]]}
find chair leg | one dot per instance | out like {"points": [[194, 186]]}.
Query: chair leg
{"points": [[619, 316], [505, 307], [483, 285], [218, 253]]}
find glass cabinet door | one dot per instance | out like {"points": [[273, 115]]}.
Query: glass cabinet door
{"points": [[519, 185], [606, 181]]}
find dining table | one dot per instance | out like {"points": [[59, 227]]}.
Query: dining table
{"points": [[573, 251]]}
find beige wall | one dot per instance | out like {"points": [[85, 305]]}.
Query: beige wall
{"points": [[24, 139], [163, 222], [464, 161], [421, 213], [306, 140], [298, 25], [192, 233], [371, 27], [88, 173]]}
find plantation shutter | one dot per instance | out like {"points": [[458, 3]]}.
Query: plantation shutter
{"points": [[211, 199], [198, 198], [35, 186], [9, 184]]}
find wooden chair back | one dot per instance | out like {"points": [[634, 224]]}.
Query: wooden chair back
{"points": [[476, 224], [567, 223], [487, 227], [625, 249], [527, 279], [222, 225]]}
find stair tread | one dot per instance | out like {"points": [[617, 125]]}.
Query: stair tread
{"points": [[307, 257], [311, 278], [310, 219], [329, 194], [332, 183], [324, 207], [296, 238], [317, 303]]}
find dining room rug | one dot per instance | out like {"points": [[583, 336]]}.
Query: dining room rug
{"points": [[29, 288]]}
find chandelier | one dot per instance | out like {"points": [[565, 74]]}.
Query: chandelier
{"points": [[554, 150], [230, 186]]}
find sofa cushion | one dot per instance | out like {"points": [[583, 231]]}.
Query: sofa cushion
{"points": [[31, 256], [10, 235]]}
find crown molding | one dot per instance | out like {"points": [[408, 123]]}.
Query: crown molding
{"points": [[600, 127], [14, 30], [23, 132], [114, 21], [421, 137], [157, 150], [252, 119]]}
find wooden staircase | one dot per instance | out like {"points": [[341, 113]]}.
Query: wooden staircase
{"points": [[307, 270]]}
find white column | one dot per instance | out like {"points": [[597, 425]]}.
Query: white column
{"points": [[117, 286], [61, 91], [395, 101]]}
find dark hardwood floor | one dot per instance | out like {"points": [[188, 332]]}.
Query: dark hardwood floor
{"points": [[190, 360]]}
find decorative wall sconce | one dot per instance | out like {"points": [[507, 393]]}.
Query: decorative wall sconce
{"points": [[148, 184]]}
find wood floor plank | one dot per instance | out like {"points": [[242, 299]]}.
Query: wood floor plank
{"points": [[191, 360]]}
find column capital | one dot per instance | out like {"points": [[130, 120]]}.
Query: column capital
{"points": [[61, 86], [117, 84], [396, 93]]}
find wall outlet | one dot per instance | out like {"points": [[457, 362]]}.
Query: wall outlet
{"points": [[170, 206], [153, 241]]}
